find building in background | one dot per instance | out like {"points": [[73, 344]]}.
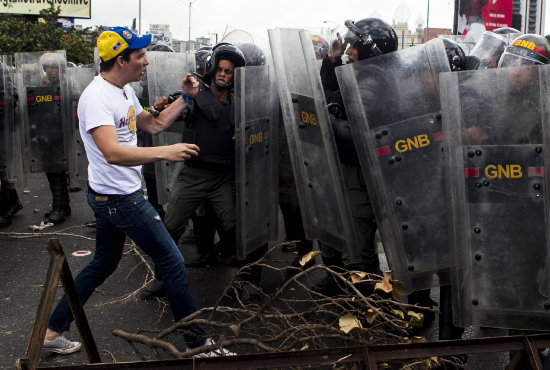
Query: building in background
{"points": [[407, 38], [528, 15], [433, 33]]}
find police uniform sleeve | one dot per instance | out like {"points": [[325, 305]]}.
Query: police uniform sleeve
{"points": [[328, 75]]}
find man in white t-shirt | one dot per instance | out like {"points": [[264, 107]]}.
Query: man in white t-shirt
{"points": [[109, 114]]}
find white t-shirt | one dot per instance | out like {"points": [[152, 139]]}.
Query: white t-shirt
{"points": [[102, 104]]}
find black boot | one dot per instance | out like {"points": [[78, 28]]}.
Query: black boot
{"points": [[329, 286], [422, 299], [4, 206], [204, 231], [447, 329], [228, 251], [251, 277], [60, 197], [155, 287], [13, 203], [5, 221]]}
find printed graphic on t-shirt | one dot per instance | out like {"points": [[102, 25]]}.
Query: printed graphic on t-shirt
{"points": [[132, 119], [129, 121]]}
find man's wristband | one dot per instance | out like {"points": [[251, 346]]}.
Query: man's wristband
{"points": [[187, 99]]}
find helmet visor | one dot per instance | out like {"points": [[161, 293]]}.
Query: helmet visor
{"points": [[488, 49], [514, 60]]}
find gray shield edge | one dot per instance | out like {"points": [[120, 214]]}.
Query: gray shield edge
{"points": [[256, 157], [498, 225], [164, 75], [41, 138], [406, 188], [11, 158], [78, 79], [322, 196]]}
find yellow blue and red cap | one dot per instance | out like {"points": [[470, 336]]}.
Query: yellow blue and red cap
{"points": [[115, 40]]}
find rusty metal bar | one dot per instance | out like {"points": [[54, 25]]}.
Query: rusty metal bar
{"points": [[455, 347], [368, 356], [532, 354], [75, 305], [251, 361], [43, 313], [515, 361]]}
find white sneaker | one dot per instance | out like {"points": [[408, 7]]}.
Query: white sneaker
{"points": [[214, 353], [61, 345]]}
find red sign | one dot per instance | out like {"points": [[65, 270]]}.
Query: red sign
{"points": [[497, 15], [482, 15]]}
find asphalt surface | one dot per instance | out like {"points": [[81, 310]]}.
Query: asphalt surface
{"points": [[24, 262]]}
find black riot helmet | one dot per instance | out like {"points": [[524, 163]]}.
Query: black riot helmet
{"points": [[528, 49], [253, 54], [227, 51], [201, 57], [371, 37], [508, 32], [455, 55], [162, 47]]}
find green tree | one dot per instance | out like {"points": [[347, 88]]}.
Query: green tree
{"points": [[18, 35]]}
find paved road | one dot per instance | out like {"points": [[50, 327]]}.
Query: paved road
{"points": [[24, 262]]}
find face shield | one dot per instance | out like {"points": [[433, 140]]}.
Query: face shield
{"points": [[515, 56], [337, 45], [488, 49]]}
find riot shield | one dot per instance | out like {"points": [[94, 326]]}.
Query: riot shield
{"points": [[321, 191], [495, 125], [164, 75], [43, 110], [11, 161], [256, 157], [393, 107], [488, 49], [78, 79]]}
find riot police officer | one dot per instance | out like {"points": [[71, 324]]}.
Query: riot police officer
{"points": [[209, 122], [57, 179], [9, 200], [364, 39]]}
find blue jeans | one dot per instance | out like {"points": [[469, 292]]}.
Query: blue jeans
{"points": [[117, 216]]}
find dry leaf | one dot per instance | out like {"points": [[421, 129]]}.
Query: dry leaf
{"points": [[385, 284], [436, 360], [398, 289], [416, 320], [348, 323], [417, 339], [399, 313], [306, 346], [308, 257], [358, 276], [370, 315]]}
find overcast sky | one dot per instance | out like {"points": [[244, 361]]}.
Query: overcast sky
{"points": [[210, 17]]}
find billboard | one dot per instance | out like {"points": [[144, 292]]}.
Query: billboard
{"points": [[476, 16], [161, 34], [69, 8]]}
